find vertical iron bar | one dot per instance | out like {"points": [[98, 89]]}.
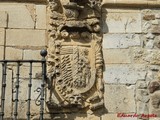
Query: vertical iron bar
{"points": [[43, 54], [4, 66], [29, 92], [42, 91], [17, 92]]}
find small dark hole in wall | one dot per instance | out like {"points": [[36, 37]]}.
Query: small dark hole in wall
{"points": [[80, 1], [75, 29]]}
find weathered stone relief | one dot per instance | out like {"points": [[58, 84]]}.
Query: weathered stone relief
{"points": [[153, 88], [142, 98], [154, 96], [74, 55]]}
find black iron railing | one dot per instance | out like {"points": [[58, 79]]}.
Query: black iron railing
{"points": [[17, 85]]}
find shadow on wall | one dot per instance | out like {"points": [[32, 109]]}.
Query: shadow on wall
{"points": [[104, 26], [104, 29], [79, 115]]}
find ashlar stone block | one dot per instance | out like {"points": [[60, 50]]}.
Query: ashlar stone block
{"points": [[110, 117], [120, 98], [13, 54], [24, 37], [0, 73], [125, 74], [1, 52], [3, 19], [134, 118], [142, 108], [113, 56], [41, 16], [121, 40], [157, 118], [119, 10], [122, 22], [2, 36], [32, 55], [23, 109], [23, 89], [25, 70], [70, 116], [23, 97], [114, 117], [20, 16]]}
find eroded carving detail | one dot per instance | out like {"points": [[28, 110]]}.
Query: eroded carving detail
{"points": [[154, 89], [75, 59]]}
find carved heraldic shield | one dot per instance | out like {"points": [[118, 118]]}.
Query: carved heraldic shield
{"points": [[75, 54]]}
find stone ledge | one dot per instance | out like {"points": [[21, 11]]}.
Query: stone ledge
{"points": [[36, 1], [133, 3]]}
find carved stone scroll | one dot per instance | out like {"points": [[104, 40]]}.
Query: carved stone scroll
{"points": [[75, 59]]}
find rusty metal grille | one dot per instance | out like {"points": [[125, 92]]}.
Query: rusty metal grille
{"points": [[41, 88]]}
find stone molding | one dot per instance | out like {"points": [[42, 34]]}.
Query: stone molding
{"points": [[35, 1], [133, 3]]}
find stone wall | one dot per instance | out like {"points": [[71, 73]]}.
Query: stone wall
{"points": [[131, 54], [23, 30], [22, 36], [130, 51]]}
